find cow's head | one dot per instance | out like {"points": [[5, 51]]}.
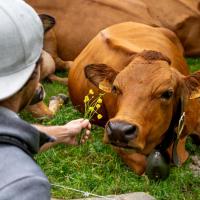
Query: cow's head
{"points": [[149, 96]]}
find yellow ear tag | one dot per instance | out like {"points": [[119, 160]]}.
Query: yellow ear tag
{"points": [[105, 86], [195, 94]]}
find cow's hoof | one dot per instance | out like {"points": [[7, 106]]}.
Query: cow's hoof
{"points": [[64, 97], [56, 102]]}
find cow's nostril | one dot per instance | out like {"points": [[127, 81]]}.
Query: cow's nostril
{"points": [[130, 132], [121, 131]]}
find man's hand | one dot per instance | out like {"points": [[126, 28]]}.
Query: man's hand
{"points": [[66, 134], [74, 128]]}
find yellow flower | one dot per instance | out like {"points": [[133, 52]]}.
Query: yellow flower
{"points": [[91, 91], [98, 106], [99, 100], [99, 116], [86, 99], [91, 109]]}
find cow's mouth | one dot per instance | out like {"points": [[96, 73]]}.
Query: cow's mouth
{"points": [[125, 147]]}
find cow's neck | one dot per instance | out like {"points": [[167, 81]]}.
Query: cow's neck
{"points": [[173, 133]]}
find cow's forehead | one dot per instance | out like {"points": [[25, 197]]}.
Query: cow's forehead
{"points": [[154, 74]]}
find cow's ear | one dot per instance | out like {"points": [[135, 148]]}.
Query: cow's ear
{"points": [[101, 76], [47, 21], [193, 85]]}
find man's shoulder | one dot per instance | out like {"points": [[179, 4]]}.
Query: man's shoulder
{"points": [[27, 187], [17, 165], [20, 133]]}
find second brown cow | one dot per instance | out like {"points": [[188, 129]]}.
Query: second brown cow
{"points": [[78, 21]]}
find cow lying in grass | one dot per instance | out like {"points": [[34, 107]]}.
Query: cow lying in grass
{"points": [[148, 89], [78, 21], [47, 68]]}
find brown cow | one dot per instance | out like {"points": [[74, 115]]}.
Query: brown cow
{"points": [[78, 21], [47, 68], [37, 107], [147, 85]]}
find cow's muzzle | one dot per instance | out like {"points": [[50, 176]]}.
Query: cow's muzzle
{"points": [[120, 133], [39, 95]]}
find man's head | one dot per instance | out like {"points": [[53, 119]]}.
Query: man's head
{"points": [[21, 42]]}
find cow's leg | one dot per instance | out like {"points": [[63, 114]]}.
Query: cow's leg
{"points": [[40, 110], [136, 161], [61, 64], [47, 65], [37, 107], [53, 77], [50, 45], [56, 102]]}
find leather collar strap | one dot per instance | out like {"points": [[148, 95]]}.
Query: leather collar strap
{"points": [[16, 142], [172, 135], [169, 138], [180, 127]]}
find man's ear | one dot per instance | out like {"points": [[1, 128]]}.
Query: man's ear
{"points": [[101, 76], [193, 85], [47, 21]]}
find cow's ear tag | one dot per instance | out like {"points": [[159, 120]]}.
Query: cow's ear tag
{"points": [[195, 94], [105, 86]]}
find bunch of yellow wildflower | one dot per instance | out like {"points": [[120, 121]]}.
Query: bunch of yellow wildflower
{"points": [[92, 105]]}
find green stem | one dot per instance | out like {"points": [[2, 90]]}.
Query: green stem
{"points": [[80, 136]]}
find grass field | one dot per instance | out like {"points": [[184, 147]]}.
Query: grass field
{"points": [[95, 167]]}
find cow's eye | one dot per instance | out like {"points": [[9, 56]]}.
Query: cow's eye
{"points": [[167, 94]]}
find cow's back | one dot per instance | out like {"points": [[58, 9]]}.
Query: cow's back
{"points": [[116, 47], [78, 21]]}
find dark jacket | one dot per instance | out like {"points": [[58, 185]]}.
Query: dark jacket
{"points": [[20, 177]]}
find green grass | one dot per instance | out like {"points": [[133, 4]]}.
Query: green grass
{"points": [[194, 64], [96, 168]]}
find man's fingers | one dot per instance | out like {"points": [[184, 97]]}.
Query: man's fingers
{"points": [[86, 136], [87, 132], [82, 141], [89, 126], [86, 124], [78, 120]]}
